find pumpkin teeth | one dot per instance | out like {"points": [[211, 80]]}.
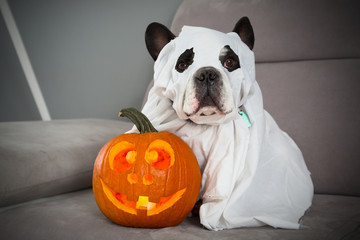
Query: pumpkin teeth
{"points": [[143, 203]]}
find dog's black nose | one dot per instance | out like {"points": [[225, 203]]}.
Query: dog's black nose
{"points": [[207, 76]]}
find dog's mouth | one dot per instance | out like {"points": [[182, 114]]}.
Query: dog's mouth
{"points": [[208, 107], [205, 110]]}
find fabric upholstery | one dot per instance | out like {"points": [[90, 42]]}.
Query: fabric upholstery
{"points": [[40, 159], [284, 29], [316, 103], [76, 216]]}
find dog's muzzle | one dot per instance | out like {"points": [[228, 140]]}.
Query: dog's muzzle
{"points": [[204, 95]]}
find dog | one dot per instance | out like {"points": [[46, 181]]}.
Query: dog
{"points": [[205, 91]]}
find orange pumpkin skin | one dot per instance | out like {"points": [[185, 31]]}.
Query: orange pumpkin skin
{"points": [[140, 193]]}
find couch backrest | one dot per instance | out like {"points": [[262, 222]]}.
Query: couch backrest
{"points": [[308, 67]]}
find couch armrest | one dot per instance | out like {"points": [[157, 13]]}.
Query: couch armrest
{"points": [[39, 159]]}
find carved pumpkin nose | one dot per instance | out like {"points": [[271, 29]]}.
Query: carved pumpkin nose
{"points": [[147, 179]]}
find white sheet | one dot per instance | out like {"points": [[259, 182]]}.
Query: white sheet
{"points": [[250, 176]]}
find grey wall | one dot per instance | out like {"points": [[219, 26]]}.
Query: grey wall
{"points": [[89, 56]]}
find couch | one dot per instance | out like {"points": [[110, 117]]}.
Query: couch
{"points": [[308, 67]]}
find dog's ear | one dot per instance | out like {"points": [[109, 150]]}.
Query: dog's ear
{"points": [[244, 29], [156, 37]]}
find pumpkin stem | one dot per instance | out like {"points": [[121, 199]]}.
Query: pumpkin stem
{"points": [[141, 122]]}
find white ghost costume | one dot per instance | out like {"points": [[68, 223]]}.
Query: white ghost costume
{"points": [[251, 176]]}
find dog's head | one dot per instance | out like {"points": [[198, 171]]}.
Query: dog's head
{"points": [[202, 70]]}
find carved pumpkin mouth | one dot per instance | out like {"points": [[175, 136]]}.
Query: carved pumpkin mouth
{"points": [[121, 202]]}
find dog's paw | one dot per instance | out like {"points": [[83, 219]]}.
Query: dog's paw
{"points": [[196, 209]]}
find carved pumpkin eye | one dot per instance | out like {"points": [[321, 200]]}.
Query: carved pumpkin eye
{"points": [[122, 156], [160, 154]]}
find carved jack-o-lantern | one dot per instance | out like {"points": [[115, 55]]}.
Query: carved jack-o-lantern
{"points": [[151, 179]]}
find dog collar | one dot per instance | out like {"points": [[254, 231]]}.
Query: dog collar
{"points": [[245, 117]]}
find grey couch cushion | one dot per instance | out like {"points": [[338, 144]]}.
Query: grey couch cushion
{"points": [[76, 216], [40, 159], [317, 103], [284, 30]]}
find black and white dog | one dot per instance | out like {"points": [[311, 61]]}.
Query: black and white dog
{"points": [[205, 91]]}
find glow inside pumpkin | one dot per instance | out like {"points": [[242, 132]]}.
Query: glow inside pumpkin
{"points": [[120, 201]]}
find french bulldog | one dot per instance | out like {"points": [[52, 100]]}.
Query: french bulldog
{"points": [[205, 91], [208, 91]]}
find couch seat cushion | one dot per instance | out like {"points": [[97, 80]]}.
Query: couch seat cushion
{"points": [[76, 216]]}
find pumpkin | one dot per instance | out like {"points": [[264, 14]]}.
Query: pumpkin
{"points": [[148, 179]]}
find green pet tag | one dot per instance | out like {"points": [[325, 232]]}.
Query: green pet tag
{"points": [[245, 117]]}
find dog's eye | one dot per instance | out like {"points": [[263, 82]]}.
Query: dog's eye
{"points": [[229, 62], [182, 66]]}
